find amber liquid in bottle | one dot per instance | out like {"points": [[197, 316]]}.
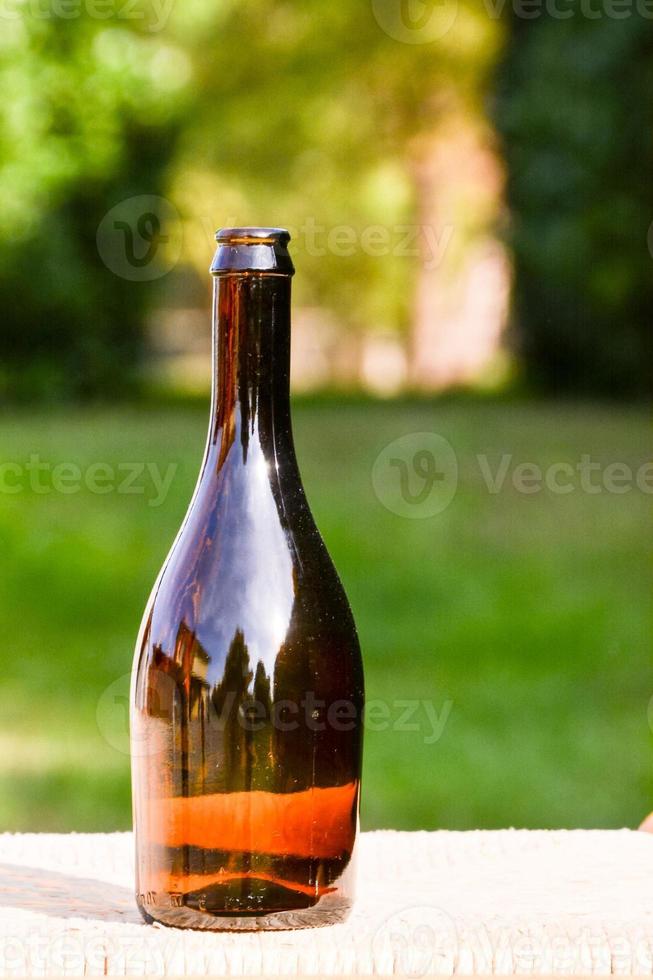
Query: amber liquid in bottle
{"points": [[248, 687]]}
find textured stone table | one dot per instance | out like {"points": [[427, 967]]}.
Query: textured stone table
{"points": [[485, 902]]}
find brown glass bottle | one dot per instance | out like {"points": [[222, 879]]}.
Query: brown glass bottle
{"points": [[248, 684]]}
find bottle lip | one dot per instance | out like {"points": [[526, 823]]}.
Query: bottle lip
{"points": [[252, 236], [245, 250]]}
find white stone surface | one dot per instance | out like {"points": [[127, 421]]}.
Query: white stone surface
{"points": [[476, 903]]}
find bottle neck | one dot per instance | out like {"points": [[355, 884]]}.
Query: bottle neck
{"points": [[251, 362]]}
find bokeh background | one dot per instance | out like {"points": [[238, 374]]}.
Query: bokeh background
{"points": [[468, 189]]}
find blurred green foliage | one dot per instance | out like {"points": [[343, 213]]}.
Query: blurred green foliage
{"points": [[305, 115], [84, 125], [313, 126], [574, 111], [529, 613], [314, 116]]}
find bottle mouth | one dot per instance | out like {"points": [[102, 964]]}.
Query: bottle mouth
{"points": [[252, 236], [252, 250]]}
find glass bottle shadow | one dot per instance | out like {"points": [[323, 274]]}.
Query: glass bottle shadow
{"points": [[65, 896]]}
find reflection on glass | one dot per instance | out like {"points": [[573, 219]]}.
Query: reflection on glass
{"points": [[248, 687]]}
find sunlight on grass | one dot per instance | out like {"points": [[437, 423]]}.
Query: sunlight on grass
{"points": [[530, 614]]}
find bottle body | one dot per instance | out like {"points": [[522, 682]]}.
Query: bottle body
{"points": [[248, 689]]}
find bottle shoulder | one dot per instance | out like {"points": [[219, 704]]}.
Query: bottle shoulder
{"points": [[249, 568]]}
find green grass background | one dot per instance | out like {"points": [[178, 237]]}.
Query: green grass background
{"points": [[529, 613]]}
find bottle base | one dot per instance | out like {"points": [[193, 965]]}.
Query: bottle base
{"points": [[328, 911]]}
